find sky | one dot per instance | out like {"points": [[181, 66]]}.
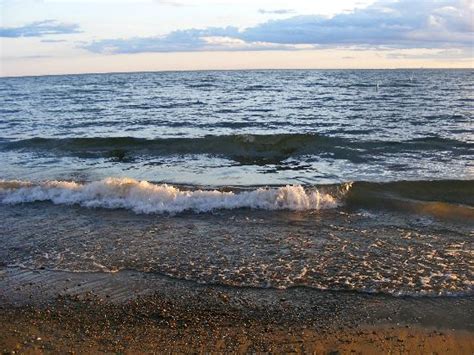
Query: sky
{"points": [[42, 37]]}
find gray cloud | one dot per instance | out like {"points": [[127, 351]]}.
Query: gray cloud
{"points": [[177, 41], [403, 23], [53, 40], [276, 12], [39, 29], [385, 24]]}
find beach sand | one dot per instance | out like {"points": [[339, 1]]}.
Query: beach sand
{"points": [[130, 312]]}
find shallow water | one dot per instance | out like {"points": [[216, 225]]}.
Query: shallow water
{"points": [[327, 249]]}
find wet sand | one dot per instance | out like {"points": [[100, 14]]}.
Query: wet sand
{"points": [[57, 312]]}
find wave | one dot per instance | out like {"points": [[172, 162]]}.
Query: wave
{"points": [[244, 148], [146, 197], [447, 199], [444, 199]]}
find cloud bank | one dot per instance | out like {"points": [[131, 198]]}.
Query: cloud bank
{"points": [[386, 23], [403, 23], [211, 39], [39, 29]]}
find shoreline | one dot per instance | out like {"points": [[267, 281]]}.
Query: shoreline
{"points": [[74, 330], [132, 312]]}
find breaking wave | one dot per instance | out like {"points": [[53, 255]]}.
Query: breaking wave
{"points": [[443, 198], [146, 197]]}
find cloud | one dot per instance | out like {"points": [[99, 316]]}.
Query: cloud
{"points": [[403, 23], [219, 43], [177, 41], [53, 40], [39, 29], [385, 24], [276, 12], [211, 39]]}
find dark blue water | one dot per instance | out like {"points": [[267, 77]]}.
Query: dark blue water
{"points": [[240, 127]]}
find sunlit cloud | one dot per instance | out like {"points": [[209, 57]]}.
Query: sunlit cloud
{"points": [[234, 44]]}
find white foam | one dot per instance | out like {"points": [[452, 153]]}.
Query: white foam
{"points": [[145, 197]]}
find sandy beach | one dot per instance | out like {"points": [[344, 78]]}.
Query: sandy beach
{"points": [[128, 312]]}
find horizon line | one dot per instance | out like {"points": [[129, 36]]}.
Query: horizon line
{"points": [[226, 70]]}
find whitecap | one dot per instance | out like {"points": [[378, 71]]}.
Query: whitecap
{"points": [[146, 197]]}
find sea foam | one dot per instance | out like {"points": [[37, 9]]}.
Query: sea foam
{"points": [[146, 197]]}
